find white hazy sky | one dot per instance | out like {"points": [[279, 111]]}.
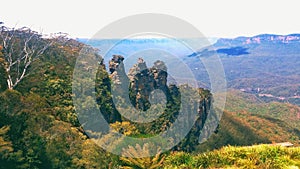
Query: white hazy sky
{"points": [[214, 18]]}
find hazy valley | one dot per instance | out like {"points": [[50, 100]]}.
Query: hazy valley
{"points": [[41, 125]]}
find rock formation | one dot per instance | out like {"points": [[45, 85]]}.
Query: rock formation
{"points": [[139, 84], [144, 80]]}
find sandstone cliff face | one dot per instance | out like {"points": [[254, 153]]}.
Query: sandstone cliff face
{"points": [[117, 70], [141, 81], [144, 80], [115, 63]]}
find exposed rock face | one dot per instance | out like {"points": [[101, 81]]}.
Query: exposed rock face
{"points": [[115, 62], [143, 81], [160, 75], [117, 70], [139, 84]]}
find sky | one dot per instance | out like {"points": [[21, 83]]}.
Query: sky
{"points": [[214, 18]]}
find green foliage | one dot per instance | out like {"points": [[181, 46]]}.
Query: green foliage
{"points": [[239, 102], [146, 161], [3, 84], [39, 127], [19, 48], [43, 129], [104, 97], [9, 102], [5, 147], [260, 156], [241, 129], [35, 139], [125, 128]]}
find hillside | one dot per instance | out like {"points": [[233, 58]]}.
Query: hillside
{"points": [[240, 102], [40, 126], [263, 64], [258, 156], [247, 120], [243, 129]]}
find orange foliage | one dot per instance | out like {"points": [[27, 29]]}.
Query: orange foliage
{"points": [[263, 126]]}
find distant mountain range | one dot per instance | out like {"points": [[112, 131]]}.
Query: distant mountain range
{"points": [[284, 44], [259, 39], [267, 65]]}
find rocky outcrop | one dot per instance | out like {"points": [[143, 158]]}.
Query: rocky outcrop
{"points": [[115, 63], [160, 75], [139, 84], [144, 80], [117, 70]]}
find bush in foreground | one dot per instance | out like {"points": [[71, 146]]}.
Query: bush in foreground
{"points": [[260, 156]]}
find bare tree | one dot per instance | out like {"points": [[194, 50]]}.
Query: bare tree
{"points": [[18, 49]]}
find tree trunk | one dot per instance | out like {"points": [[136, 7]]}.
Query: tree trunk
{"points": [[9, 84], [21, 47], [9, 80]]}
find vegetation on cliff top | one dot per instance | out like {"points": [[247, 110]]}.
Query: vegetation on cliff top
{"points": [[39, 127]]}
